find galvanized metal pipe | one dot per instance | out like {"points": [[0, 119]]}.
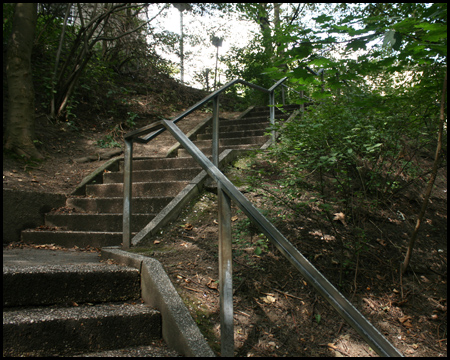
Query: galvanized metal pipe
{"points": [[225, 274], [202, 102], [127, 193], [302, 106], [346, 309], [215, 131], [272, 114]]}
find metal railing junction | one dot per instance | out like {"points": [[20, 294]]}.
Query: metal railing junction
{"points": [[226, 192]]}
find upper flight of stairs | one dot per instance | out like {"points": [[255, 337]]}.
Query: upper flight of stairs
{"points": [[95, 219]]}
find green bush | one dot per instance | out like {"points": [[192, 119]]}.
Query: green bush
{"points": [[356, 142]]}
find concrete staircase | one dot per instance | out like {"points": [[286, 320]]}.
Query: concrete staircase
{"points": [[67, 310], [95, 218]]}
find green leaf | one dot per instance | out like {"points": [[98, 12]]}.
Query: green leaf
{"points": [[323, 18], [356, 45], [432, 27], [303, 50], [258, 250], [320, 62]]}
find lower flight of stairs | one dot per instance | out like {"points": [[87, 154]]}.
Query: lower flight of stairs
{"points": [[69, 310], [95, 218]]}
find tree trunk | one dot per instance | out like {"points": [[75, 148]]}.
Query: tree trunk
{"points": [[20, 117], [413, 238]]}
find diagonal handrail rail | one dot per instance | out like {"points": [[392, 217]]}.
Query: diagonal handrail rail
{"points": [[346, 309], [145, 130], [149, 132], [227, 192]]}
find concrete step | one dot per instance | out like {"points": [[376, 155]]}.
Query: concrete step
{"points": [[160, 163], [244, 121], [140, 205], [163, 188], [68, 239], [242, 127], [265, 109], [233, 134], [156, 349], [95, 222], [153, 175], [224, 142], [182, 153], [38, 285], [64, 331]]}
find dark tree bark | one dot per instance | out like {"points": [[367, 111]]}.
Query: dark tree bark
{"points": [[20, 119]]}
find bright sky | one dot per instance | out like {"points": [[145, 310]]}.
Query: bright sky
{"points": [[203, 56]]}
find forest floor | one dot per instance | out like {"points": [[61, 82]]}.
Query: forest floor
{"points": [[277, 313]]}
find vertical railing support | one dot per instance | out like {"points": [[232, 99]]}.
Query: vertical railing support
{"points": [[127, 193], [215, 132], [302, 106], [225, 274], [225, 254], [272, 114]]}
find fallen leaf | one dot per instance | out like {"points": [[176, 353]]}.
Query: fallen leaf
{"points": [[404, 318], [269, 299], [156, 242], [212, 284], [188, 227], [340, 217], [215, 222], [234, 218]]}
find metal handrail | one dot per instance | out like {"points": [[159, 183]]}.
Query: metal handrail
{"points": [[149, 132], [227, 192], [213, 95]]}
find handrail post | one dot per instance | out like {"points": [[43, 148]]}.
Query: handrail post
{"points": [[302, 106], [225, 252], [215, 132], [225, 274], [272, 114], [127, 193]]}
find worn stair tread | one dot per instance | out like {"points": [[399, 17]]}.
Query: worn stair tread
{"points": [[70, 238], [182, 153], [247, 140], [160, 163], [58, 331], [34, 285], [71, 231], [156, 349], [233, 134], [176, 174], [141, 205], [12, 316], [168, 188], [96, 221]]}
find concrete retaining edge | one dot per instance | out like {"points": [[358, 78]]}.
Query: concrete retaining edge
{"points": [[179, 330]]}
